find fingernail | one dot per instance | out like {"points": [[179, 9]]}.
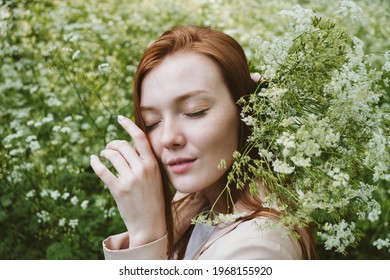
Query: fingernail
{"points": [[121, 118], [93, 157]]}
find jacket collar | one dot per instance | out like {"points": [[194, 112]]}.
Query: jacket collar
{"points": [[219, 231]]}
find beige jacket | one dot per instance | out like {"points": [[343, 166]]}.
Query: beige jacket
{"points": [[236, 240]]}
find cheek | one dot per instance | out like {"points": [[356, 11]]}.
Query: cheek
{"points": [[221, 138]]}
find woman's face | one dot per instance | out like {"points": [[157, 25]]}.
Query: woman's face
{"points": [[192, 120]]}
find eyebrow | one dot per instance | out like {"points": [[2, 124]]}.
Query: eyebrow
{"points": [[180, 98]]}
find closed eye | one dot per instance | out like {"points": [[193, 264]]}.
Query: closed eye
{"points": [[150, 127], [196, 114]]}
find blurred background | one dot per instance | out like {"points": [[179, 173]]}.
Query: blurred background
{"points": [[66, 72]]}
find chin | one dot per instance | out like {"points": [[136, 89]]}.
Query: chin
{"points": [[187, 189]]}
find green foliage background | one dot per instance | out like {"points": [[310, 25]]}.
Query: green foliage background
{"points": [[67, 70]]}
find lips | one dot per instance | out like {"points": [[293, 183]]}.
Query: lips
{"points": [[180, 165]]}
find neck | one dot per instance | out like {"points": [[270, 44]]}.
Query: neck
{"points": [[219, 199]]}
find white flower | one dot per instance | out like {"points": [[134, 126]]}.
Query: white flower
{"points": [[62, 160], [340, 178], [111, 128], [202, 219], [84, 204], [75, 137], [375, 208], [30, 123], [273, 55], [55, 194], [65, 129], [331, 138], [274, 94], [27, 166], [74, 200], [85, 126], [302, 18], [4, 12], [352, 10], [338, 236], [48, 119], [44, 193], [381, 171], [301, 161], [30, 193], [31, 138], [73, 223], [249, 120], [14, 124], [287, 140], [53, 101], [386, 65], [37, 124], [104, 68], [100, 202], [229, 218], [287, 122], [34, 146], [309, 147], [62, 222], [270, 73], [43, 216], [75, 54], [72, 37], [17, 151], [68, 119], [282, 167], [49, 169], [382, 243], [66, 50], [268, 155], [99, 119], [9, 138], [110, 212], [16, 175], [65, 195]]}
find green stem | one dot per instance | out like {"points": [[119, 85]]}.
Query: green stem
{"points": [[70, 80]]}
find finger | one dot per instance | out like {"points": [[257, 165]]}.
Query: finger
{"points": [[102, 171], [117, 160], [140, 140], [256, 77], [126, 150]]}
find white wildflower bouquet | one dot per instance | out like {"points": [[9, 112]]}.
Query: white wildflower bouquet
{"points": [[320, 125]]}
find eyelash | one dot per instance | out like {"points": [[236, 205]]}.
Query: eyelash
{"points": [[150, 127], [194, 115]]}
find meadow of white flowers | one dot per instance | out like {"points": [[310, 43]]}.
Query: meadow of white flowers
{"points": [[67, 70]]}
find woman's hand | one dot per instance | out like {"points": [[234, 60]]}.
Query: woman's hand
{"points": [[137, 189]]}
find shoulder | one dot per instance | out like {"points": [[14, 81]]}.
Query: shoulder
{"points": [[249, 240]]}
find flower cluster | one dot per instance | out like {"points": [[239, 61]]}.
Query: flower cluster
{"points": [[321, 129], [212, 218]]}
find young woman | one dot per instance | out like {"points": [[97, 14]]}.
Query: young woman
{"points": [[187, 120]]}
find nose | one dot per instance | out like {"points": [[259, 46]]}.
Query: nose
{"points": [[173, 135]]}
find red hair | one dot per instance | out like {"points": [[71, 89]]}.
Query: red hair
{"points": [[229, 56]]}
